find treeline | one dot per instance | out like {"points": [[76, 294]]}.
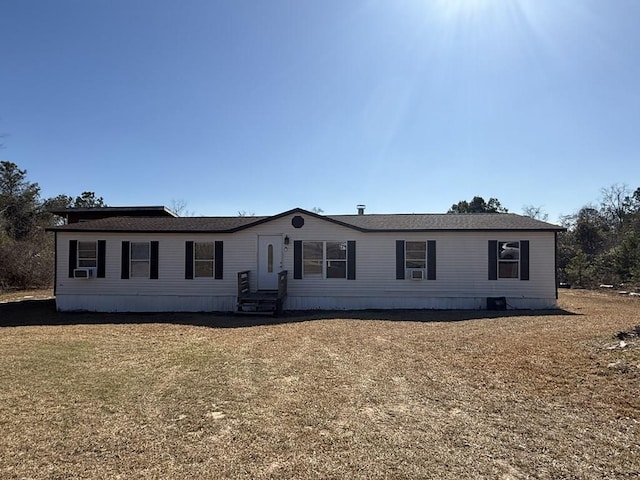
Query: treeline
{"points": [[602, 241], [26, 250]]}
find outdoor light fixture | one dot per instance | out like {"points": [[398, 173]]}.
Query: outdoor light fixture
{"points": [[286, 239]]}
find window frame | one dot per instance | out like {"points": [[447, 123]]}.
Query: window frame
{"points": [[327, 264], [314, 261], [137, 261], [331, 264], [201, 261], [423, 259], [80, 258], [500, 245]]}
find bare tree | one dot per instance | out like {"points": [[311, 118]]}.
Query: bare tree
{"points": [[179, 207], [535, 212], [616, 203]]}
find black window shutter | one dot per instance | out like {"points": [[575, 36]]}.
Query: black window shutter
{"points": [[153, 267], [102, 254], [493, 259], [124, 260], [188, 260], [297, 259], [351, 260], [524, 259], [218, 256], [399, 259], [431, 260], [73, 256]]}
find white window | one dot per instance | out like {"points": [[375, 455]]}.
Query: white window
{"points": [[508, 259], [415, 255], [336, 259], [140, 259], [87, 254], [312, 255], [324, 259], [203, 259]]}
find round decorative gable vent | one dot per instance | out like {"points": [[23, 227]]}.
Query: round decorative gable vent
{"points": [[297, 221]]}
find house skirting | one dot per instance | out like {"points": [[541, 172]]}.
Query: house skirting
{"points": [[182, 303], [393, 303], [144, 303]]}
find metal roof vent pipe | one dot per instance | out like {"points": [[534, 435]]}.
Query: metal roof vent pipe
{"points": [[361, 209]]}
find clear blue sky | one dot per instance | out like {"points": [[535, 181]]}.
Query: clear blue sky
{"points": [[262, 106]]}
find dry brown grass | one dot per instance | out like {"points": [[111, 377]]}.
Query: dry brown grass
{"points": [[20, 295], [380, 395]]}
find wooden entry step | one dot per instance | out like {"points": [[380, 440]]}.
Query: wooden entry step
{"points": [[261, 302]]}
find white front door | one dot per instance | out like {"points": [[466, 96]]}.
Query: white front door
{"points": [[269, 261]]}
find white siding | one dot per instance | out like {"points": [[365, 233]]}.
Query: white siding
{"points": [[462, 272]]}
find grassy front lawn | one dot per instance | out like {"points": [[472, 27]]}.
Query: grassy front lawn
{"points": [[383, 395]]}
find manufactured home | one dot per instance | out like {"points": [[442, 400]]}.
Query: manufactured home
{"points": [[145, 259]]}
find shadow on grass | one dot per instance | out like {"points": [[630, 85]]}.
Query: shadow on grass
{"points": [[43, 312]]}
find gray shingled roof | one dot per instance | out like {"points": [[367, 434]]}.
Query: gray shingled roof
{"points": [[162, 224], [445, 221], [366, 223]]}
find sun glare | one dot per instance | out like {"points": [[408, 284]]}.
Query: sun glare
{"points": [[465, 8]]}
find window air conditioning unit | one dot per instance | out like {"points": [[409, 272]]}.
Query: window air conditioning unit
{"points": [[83, 273], [417, 274]]}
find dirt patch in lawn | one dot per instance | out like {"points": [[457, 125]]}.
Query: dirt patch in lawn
{"points": [[369, 395]]}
